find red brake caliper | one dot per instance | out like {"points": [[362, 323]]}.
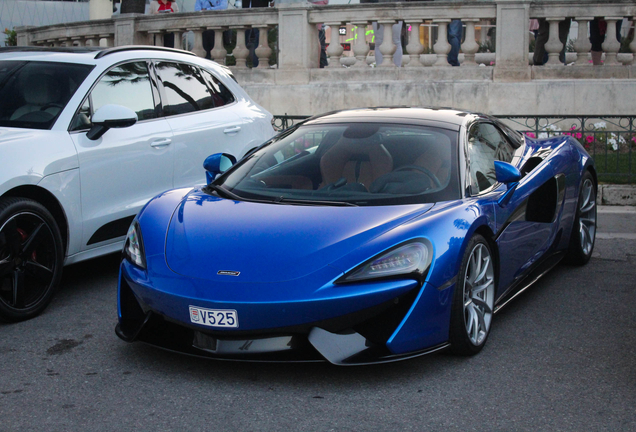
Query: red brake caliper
{"points": [[24, 236]]}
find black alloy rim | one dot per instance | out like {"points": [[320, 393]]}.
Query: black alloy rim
{"points": [[27, 260]]}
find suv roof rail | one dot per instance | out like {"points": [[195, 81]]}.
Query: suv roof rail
{"points": [[49, 49], [113, 50]]}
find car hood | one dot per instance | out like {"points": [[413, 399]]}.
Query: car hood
{"points": [[8, 135], [270, 242]]}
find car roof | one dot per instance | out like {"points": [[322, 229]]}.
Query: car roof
{"points": [[448, 117], [87, 55]]}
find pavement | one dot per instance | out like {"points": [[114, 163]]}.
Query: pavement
{"points": [[559, 358]]}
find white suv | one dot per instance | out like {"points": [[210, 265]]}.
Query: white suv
{"points": [[87, 137]]}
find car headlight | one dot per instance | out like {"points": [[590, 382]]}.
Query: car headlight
{"points": [[411, 260], [134, 247]]}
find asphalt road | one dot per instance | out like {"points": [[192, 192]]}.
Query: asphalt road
{"points": [[561, 357]]}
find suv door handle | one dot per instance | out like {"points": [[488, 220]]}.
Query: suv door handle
{"points": [[233, 129], [161, 142]]}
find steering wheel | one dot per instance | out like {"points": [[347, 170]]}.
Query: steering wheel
{"points": [[51, 105], [423, 170]]}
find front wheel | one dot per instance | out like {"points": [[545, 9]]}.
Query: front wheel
{"points": [[474, 298], [31, 258]]}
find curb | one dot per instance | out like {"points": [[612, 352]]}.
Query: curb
{"points": [[617, 195]]}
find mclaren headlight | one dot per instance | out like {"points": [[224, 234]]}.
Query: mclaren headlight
{"points": [[410, 259], [134, 247]]}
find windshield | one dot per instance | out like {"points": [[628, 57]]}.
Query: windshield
{"points": [[350, 164], [33, 94]]}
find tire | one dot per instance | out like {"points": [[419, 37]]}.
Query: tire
{"points": [[31, 258], [473, 300], [583, 234]]}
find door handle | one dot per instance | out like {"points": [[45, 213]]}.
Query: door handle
{"points": [[161, 142], [233, 129]]}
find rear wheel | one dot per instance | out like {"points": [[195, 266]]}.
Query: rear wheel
{"points": [[474, 298], [584, 228], [31, 258]]}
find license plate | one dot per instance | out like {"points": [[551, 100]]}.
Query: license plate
{"points": [[214, 317]]}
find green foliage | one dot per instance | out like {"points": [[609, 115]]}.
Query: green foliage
{"points": [[12, 37]]}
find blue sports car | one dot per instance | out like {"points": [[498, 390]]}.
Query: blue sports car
{"points": [[359, 236]]}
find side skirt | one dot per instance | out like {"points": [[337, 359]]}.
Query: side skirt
{"points": [[547, 264]]}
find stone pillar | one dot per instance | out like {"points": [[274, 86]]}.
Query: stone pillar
{"points": [[513, 38], [53, 42], [197, 47], [470, 46], [218, 52], [387, 48], [155, 37], [298, 39], [109, 39], [611, 44], [554, 46], [79, 40], [241, 52], [126, 30], [263, 51], [582, 44], [23, 36], [178, 37], [414, 47], [92, 40], [361, 47], [442, 47], [334, 49]]}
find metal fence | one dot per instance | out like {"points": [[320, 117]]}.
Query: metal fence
{"points": [[610, 140]]}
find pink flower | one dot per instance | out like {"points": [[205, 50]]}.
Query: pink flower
{"points": [[634, 139], [573, 127], [532, 135], [567, 133], [579, 135], [589, 139]]}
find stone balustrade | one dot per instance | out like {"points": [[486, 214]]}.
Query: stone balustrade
{"points": [[298, 40], [298, 49]]}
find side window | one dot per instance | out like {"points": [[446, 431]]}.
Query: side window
{"points": [[185, 88], [220, 94], [486, 144], [127, 85], [481, 153]]}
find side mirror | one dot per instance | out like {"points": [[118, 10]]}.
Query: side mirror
{"points": [[506, 173], [110, 116], [509, 175], [216, 164]]}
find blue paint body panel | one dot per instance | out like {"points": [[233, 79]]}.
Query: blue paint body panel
{"points": [[290, 257]]}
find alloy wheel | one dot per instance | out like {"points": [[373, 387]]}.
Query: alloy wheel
{"points": [[27, 260], [479, 294]]}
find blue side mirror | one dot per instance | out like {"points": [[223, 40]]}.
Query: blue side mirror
{"points": [[216, 164], [506, 173], [509, 175]]}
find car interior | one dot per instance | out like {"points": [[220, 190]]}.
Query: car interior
{"points": [[353, 161]]}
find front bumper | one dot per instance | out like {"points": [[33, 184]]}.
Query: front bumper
{"points": [[357, 326]]}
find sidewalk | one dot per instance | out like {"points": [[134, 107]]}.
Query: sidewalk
{"points": [[616, 233], [617, 195]]}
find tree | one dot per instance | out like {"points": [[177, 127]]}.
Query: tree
{"points": [[133, 6]]}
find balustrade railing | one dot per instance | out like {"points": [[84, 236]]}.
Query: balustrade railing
{"points": [[299, 47]]}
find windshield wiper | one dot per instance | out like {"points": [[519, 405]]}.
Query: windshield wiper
{"points": [[224, 193], [315, 202]]}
